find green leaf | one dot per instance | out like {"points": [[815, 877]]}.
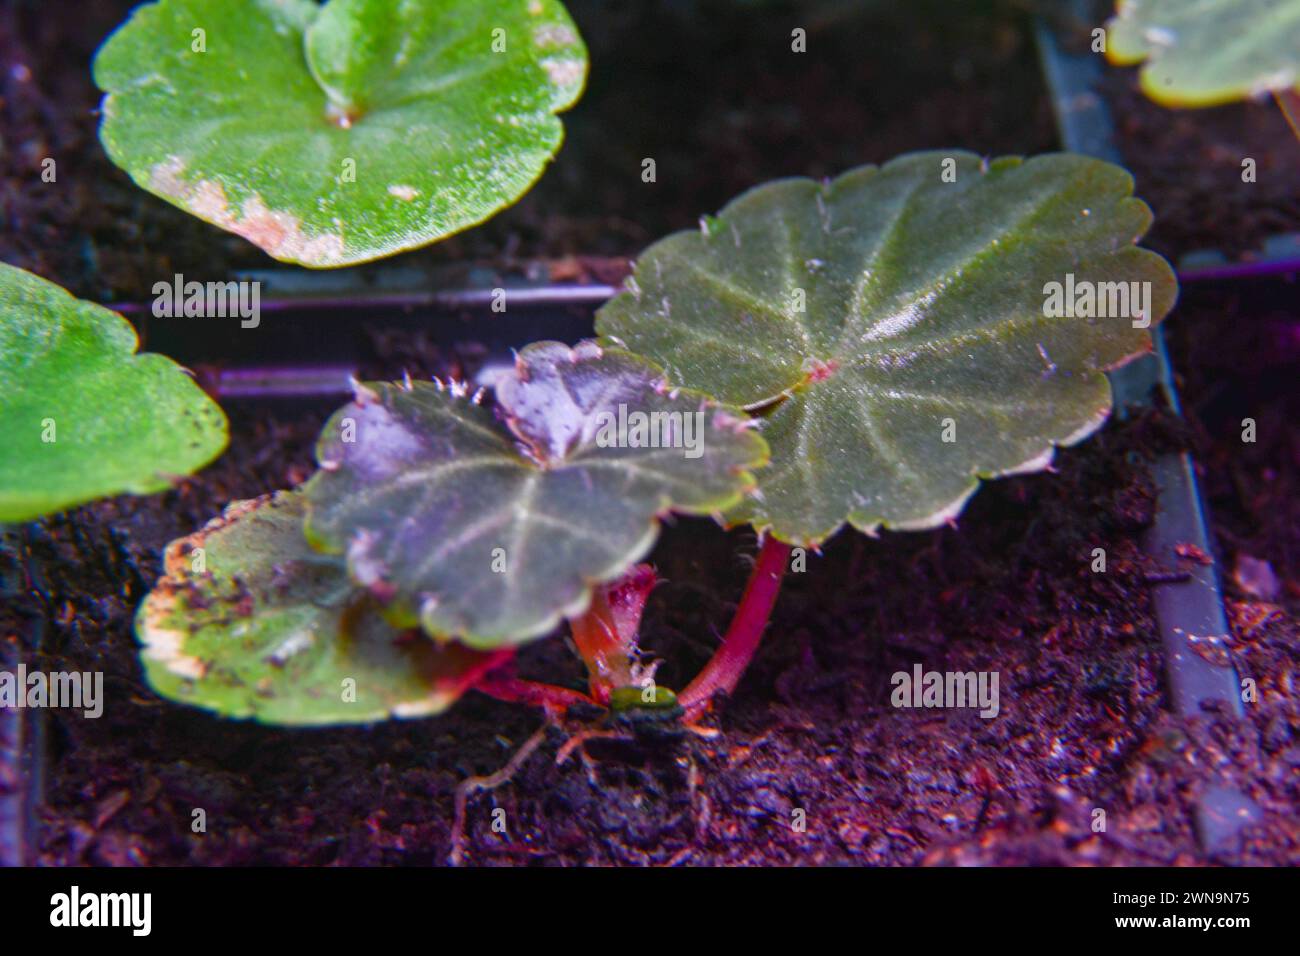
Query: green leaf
{"points": [[1208, 52], [249, 621], [491, 532], [82, 415], [864, 314], [339, 134]]}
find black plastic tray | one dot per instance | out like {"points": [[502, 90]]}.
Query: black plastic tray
{"points": [[1192, 608]]}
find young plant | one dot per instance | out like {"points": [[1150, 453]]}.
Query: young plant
{"points": [[484, 527], [337, 134], [902, 332], [1205, 54], [82, 416]]}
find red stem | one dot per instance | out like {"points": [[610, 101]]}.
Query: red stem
{"points": [[725, 668], [1288, 102], [606, 634], [550, 697]]}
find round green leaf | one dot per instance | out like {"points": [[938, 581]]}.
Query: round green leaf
{"points": [[339, 134], [1208, 52], [82, 415], [249, 621], [867, 314], [492, 531]]}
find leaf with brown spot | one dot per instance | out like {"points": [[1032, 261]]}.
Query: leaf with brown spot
{"points": [[337, 134], [249, 621]]}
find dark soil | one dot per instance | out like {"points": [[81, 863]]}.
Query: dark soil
{"points": [[1237, 352], [1240, 347], [1188, 166], [710, 90]]}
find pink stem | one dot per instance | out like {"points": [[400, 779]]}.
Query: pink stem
{"points": [[1289, 102], [728, 664], [550, 697]]}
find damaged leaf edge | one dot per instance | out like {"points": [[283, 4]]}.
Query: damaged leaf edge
{"points": [[165, 645], [401, 617]]}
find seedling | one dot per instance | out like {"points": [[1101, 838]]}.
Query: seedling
{"points": [[1206, 54], [904, 332], [337, 134], [483, 526], [82, 415], [901, 332]]}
